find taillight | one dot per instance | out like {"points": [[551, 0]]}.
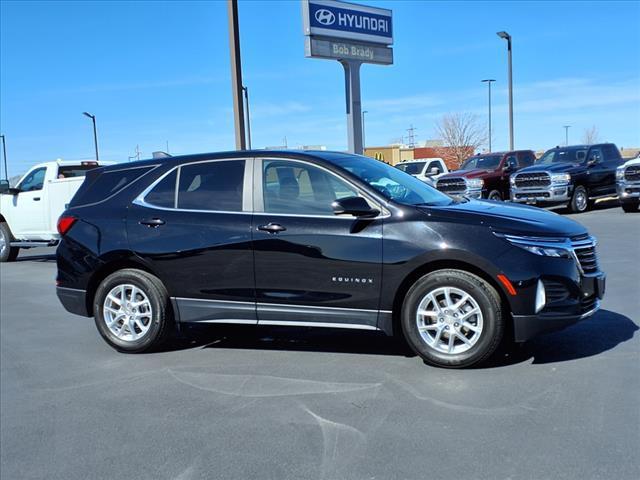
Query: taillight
{"points": [[65, 223]]}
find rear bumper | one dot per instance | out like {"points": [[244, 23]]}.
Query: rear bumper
{"points": [[73, 300]]}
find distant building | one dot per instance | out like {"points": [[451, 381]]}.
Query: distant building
{"points": [[394, 154]]}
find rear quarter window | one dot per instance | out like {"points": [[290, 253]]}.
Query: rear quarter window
{"points": [[106, 184]]}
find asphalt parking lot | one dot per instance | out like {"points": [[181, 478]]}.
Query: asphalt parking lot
{"points": [[276, 403]]}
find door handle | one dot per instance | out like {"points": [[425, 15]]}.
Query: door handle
{"points": [[36, 199], [152, 222], [272, 228]]}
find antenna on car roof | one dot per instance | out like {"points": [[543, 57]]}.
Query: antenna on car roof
{"points": [[160, 155]]}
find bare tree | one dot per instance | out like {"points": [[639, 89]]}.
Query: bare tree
{"points": [[590, 135], [463, 133]]}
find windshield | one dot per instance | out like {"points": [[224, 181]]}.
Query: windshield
{"points": [[414, 168], [563, 155], [488, 162], [391, 182]]}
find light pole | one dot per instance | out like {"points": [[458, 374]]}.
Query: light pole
{"points": [[489, 81], [364, 144], [236, 74], [4, 151], [245, 90], [507, 37], [95, 133], [566, 134]]}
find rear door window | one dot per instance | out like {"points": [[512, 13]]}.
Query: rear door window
{"points": [[164, 193], [212, 186]]}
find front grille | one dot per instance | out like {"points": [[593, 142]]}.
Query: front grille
{"points": [[555, 291], [456, 185], [537, 179], [632, 173], [588, 304], [584, 248]]}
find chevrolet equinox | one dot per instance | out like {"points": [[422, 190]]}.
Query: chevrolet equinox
{"points": [[317, 239]]}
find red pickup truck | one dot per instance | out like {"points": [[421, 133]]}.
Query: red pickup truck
{"points": [[485, 175]]}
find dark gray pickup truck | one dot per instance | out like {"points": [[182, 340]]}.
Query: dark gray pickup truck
{"points": [[574, 176]]}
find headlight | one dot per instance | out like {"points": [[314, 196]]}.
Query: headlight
{"points": [[619, 173], [547, 247], [560, 178], [512, 179], [475, 183]]}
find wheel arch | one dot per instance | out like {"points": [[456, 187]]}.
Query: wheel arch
{"points": [[107, 269], [442, 264]]}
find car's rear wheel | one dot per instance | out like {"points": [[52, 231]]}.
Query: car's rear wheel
{"points": [[495, 195], [630, 206], [132, 312], [579, 200], [7, 252], [452, 318]]}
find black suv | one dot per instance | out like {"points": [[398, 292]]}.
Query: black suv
{"points": [[317, 239], [574, 176]]}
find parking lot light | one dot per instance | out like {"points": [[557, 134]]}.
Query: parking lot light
{"points": [[505, 36], [95, 133]]}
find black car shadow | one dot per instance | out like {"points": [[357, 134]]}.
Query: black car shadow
{"points": [[582, 340], [302, 339], [37, 258]]}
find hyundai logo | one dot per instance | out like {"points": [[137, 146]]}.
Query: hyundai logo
{"points": [[325, 17]]}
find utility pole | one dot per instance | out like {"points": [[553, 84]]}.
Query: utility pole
{"points": [[248, 118], [236, 74], [4, 151], [488, 82], [566, 134]]}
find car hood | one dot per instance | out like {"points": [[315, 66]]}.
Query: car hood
{"points": [[508, 218], [554, 167], [470, 173]]}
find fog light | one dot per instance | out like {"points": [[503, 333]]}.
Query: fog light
{"points": [[541, 296]]}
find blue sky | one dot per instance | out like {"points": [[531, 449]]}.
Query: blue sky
{"points": [[157, 72]]}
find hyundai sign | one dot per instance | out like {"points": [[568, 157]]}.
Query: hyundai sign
{"points": [[325, 18]]}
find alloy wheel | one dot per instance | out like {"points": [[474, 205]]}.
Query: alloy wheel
{"points": [[449, 320], [127, 312]]}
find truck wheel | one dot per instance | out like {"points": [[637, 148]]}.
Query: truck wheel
{"points": [[7, 252], [495, 195], [132, 311], [630, 206], [452, 319], [579, 200]]}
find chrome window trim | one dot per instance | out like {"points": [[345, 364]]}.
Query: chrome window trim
{"points": [[259, 204], [140, 199]]}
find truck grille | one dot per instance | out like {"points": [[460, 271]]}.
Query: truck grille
{"points": [[537, 179], [584, 248], [632, 173], [454, 186]]}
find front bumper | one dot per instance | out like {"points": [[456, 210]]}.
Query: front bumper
{"points": [[628, 190], [554, 193], [73, 300], [562, 313]]}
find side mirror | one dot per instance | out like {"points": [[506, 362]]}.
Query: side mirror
{"points": [[356, 206], [592, 161], [434, 171], [4, 186]]}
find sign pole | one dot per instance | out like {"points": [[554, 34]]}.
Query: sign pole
{"points": [[353, 104], [236, 74]]}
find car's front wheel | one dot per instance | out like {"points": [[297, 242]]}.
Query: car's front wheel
{"points": [[579, 200], [132, 311], [495, 195], [452, 318]]}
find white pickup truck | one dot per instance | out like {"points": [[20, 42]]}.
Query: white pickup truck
{"points": [[29, 212], [426, 169]]}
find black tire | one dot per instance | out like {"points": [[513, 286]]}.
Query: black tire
{"points": [[630, 206], [486, 298], [160, 322], [494, 195], [579, 200], [7, 253]]}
